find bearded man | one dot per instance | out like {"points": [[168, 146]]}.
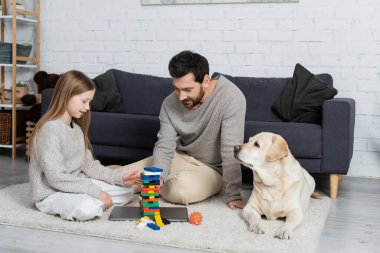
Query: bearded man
{"points": [[200, 123]]}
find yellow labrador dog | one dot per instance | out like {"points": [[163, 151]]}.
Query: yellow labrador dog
{"points": [[282, 188]]}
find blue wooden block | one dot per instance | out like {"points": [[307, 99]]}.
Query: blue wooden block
{"points": [[153, 169], [153, 178], [153, 226]]}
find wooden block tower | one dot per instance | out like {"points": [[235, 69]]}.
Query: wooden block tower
{"points": [[150, 194]]}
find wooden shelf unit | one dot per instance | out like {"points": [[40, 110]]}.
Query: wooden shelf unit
{"points": [[32, 17]]}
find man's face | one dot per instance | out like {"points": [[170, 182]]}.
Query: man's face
{"points": [[188, 91]]}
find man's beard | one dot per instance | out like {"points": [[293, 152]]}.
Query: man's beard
{"points": [[195, 102]]}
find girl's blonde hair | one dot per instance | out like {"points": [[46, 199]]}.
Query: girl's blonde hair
{"points": [[70, 84]]}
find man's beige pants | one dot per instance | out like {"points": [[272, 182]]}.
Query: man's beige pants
{"points": [[189, 180]]}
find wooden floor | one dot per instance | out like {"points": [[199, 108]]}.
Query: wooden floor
{"points": [[353, 224]]}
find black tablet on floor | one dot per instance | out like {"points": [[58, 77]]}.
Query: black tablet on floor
{"points": [[173, 214]]}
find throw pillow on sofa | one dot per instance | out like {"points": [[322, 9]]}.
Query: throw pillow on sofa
{"points": [[107, 97], [302, 98]]}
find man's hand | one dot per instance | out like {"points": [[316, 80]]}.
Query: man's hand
{"points": [[132, 178], [238, 203], [106, 199]]}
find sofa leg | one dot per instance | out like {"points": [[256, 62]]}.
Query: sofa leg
{"points": [[334, 182]]}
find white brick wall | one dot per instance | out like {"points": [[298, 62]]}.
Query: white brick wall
{"points": [[341, 37]]}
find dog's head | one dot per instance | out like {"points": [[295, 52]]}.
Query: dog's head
{"points": [[263, 150]]}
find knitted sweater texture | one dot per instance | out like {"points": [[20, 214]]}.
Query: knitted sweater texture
{"points": [[60, 163], [208, 133]]}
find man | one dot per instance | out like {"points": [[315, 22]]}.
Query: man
{"points": [[201, 121]]}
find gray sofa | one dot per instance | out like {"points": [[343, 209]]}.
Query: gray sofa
{"points": [[324, 148]]}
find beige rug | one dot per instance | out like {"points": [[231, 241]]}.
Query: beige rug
{"points": [[221, 231]]}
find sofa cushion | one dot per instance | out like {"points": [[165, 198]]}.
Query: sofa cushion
{"points": [[107, 97], [120, 155], [299, 136], [120, 129], [302, 98], [142, 94], [261, 93]]}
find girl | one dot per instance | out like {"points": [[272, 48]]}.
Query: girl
{"points": [[64, 177]]}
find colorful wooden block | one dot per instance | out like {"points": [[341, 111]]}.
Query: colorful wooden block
{"points": [[148, 204], [149, 194], [153, 226], [153, 169], [158, 220]]}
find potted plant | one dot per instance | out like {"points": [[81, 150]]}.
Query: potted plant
{"points": [[21, 90]]}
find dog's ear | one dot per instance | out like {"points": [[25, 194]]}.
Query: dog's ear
{"points": [[277, 150]]}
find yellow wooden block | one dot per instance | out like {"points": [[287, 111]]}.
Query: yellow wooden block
{"points": [[139, 221], [158, 220]]}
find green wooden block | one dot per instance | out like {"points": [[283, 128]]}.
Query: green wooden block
{"points": [[146, 204]]}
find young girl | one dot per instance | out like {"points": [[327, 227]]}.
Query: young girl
{"points": [[64, 177]]}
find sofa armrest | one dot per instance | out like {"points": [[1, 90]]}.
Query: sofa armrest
{"points": [[338, 121], [46, 97]]}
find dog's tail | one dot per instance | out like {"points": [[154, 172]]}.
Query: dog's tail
{"points": [[316, 195]]}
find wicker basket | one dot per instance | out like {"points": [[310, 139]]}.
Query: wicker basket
{"points": [[6, 126], [23, 50], [29, 130]]}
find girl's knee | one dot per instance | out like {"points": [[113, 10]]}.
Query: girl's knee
{"points": [[68, 206], [88, 209]]}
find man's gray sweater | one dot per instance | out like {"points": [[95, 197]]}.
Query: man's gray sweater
{"points": [[60, 163], [208, 133]]}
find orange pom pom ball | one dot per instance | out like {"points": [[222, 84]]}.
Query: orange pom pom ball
{"points": [[195, 218]]}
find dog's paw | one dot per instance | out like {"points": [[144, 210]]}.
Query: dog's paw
{"points": [[255, 228], [283, 234]]}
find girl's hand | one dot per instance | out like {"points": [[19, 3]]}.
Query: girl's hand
{"points": [[132, 178], [106, 199]]}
